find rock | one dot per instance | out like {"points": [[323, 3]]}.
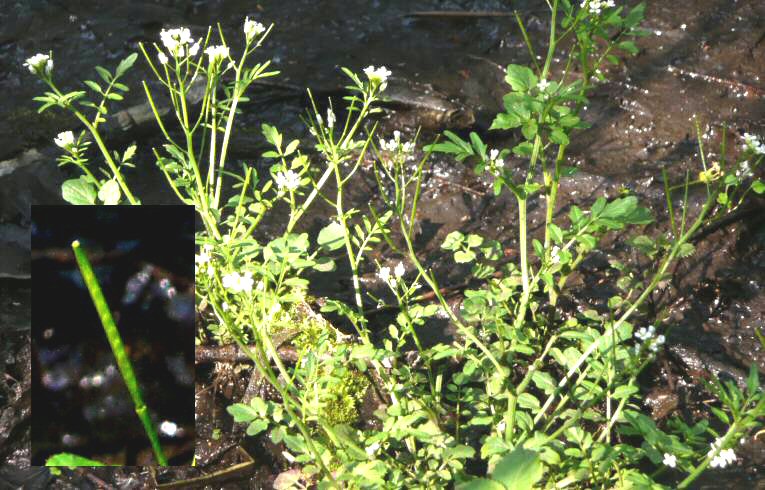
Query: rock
{"points": [[15, 250]]}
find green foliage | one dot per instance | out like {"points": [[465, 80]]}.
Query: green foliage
{"points": [[71, 461]]}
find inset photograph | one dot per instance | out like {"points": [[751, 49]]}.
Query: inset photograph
{"points": [[112, 335]]}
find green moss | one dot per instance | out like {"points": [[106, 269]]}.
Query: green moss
{"points": [[342, 405], [341, 397]]}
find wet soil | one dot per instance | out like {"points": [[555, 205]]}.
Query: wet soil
{"points": [[705, 60]]}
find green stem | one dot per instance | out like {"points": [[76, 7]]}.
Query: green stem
{"points": [[553, 42], [658, 276], [101, 146], [120, 354]]}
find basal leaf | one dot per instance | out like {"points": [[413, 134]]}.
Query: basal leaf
{"points": [[331, 237], [78, 191], [521, 78], [519, 470]]}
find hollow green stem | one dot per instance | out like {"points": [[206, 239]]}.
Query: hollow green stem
{"points": [[120, 354]]}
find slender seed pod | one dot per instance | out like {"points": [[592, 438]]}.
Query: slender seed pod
{"points": [[118, 348]]}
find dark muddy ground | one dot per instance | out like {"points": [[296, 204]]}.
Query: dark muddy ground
{"points": [[642, 122]]}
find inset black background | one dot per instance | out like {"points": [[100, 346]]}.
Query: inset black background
{"points": [[71, 413]]}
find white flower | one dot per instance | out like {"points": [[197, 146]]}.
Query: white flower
{"points": [[723, 458], [288, 180], [39, 64], [203, 257], [744, 170], [373, 448], [252, 28], [224, 305], [670, 460], [378, 77], [384, 274], [194, 49], [752, 142], [238, 283], [555, 254], [644, 333], [399, 270], [65, 139], [495, 162], [162, 58], [330, 118], [542, 85], [174, 40], [217, 53], [388, 145], [387, 362], [597, 6]]}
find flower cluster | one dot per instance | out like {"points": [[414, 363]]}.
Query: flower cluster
{"points": [[203, 261], [555, 254], [65, 140], [378, 77], [40, 64], [648, 337], [288, 180], [596, 6], [396, 144], [744, 170], [495, 163], [670, 460], [177, 41], [723, 458], [711, 174], [252, 29], [238, 283], [391, 280], [754, 143], [217, 53], [543, 85]]}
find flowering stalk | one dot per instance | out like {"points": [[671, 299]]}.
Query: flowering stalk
{"points": [[41, 65], [120, 354], [251, 29]]}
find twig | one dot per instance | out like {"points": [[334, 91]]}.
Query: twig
{"points": [[96, 480], [233, 353], [459, 186], [729, 219], [238, 471]]}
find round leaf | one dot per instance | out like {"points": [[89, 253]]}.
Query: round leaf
{"points": [[109, 193], [519, 470]]}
